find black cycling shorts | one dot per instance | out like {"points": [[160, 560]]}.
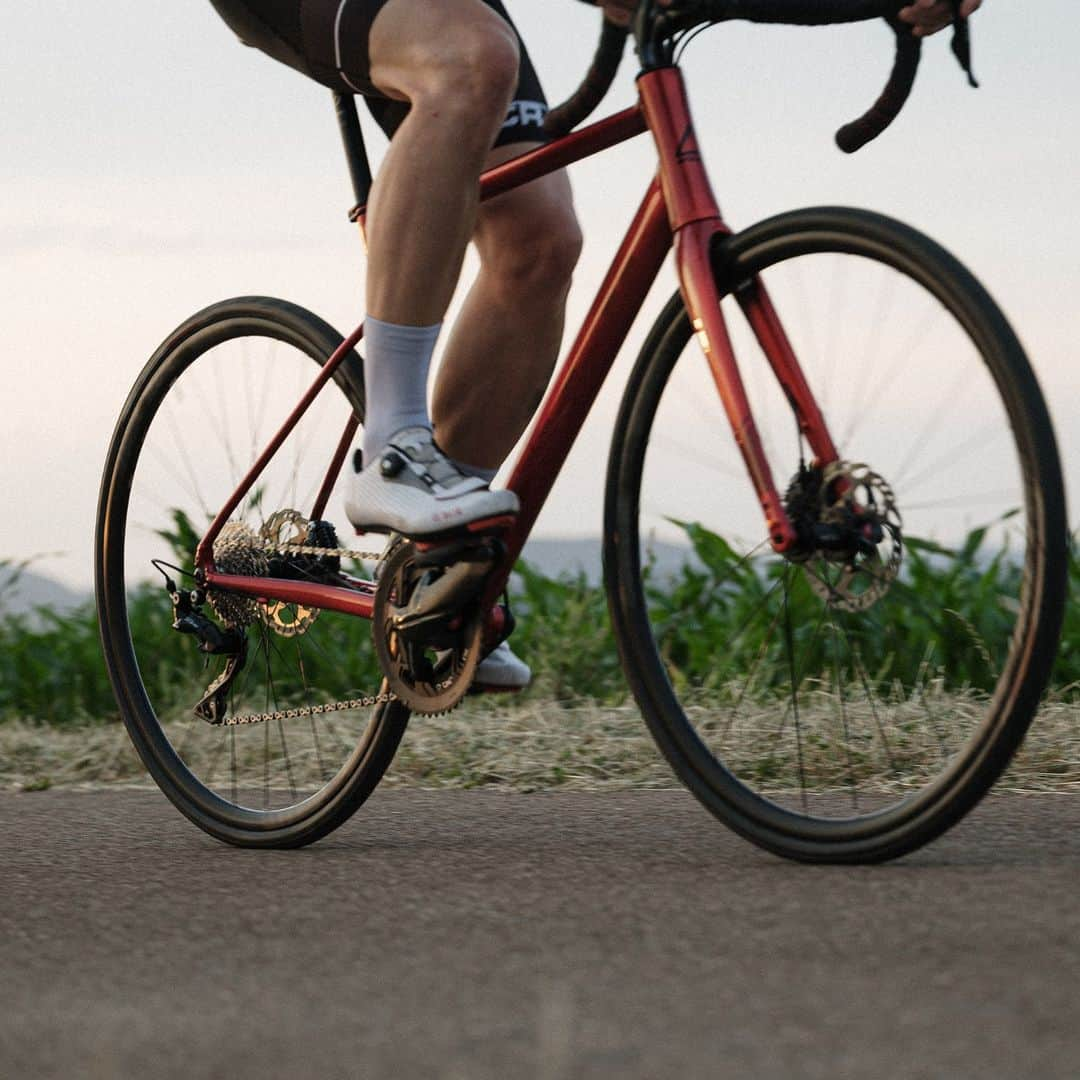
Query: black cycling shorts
{"points": [[327, 40]]}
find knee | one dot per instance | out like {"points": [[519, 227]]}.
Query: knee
{"points": [[472, 74], [536, 253]]}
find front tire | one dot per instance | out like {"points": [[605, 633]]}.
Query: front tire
{"points": [[830, 715]]}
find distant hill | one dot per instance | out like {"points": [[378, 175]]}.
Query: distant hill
{"points": [[551, 556], [28, 590], [554, 557]]}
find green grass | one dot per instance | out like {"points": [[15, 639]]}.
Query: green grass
{"points": [[515, 745], [51, 670]]}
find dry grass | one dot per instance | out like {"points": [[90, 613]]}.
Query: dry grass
{"points": [[533, 745]]}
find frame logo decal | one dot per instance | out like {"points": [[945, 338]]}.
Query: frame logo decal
{"points": [[687, 150]]}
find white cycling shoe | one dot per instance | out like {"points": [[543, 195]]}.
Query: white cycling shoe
{"points": [[413, 488], [501, 672]]}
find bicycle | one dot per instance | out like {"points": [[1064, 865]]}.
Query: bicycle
{"points": [[889, 633]]}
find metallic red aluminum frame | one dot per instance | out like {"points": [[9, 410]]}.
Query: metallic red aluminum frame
{"points": [[358, 601], [678, 207], [697, 223]]}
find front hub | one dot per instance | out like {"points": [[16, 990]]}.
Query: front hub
{"points": [[850, 532]]}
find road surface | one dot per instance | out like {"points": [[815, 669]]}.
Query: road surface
{"points": [[475, 934]]}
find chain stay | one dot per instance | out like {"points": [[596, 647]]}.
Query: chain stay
{"points": [[367, 701]]}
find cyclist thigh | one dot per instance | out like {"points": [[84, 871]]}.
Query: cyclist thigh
{"points": [[484, 49], [329, 41], [439, 49]]}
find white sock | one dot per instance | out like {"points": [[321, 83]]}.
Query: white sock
{"points": [[396, 363]]}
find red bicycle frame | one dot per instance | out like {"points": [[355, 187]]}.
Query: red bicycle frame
{"points": [[678, 210]]}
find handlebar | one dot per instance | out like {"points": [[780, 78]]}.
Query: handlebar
{"points": [[856, 134], [657, 30], [594, 87]]}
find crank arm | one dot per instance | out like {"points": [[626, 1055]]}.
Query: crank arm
{"points": [[441, 599]]}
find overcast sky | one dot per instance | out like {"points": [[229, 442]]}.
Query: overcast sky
{"points": [[150, 165]]}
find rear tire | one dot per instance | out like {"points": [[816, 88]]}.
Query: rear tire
{"points": [[199, 414]]}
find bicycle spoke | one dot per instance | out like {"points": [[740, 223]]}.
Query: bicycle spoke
{"points": [[844, 720], [789, 645], [842, 687]]}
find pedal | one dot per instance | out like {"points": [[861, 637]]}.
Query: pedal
{"points": [[440, 594]]}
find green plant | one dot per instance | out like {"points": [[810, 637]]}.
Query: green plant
{"points": [[51, 669]]}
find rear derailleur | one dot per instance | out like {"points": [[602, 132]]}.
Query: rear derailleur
{"points": [[214, 640]]}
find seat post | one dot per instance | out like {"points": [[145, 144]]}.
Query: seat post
{"points": [[355, 151]]}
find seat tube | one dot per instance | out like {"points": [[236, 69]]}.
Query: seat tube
{"points": [[695, 220]]}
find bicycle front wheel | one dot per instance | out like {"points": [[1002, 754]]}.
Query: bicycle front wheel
{"points": [[289, 744], [851, 706]]}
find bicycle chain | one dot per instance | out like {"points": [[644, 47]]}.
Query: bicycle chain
{"points": [[323, 552], [367, 701]]}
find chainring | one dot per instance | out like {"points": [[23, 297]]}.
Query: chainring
{"points": [[431, 671], [853, 493]]}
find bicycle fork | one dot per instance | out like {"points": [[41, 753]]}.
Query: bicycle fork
{"points": [[697, 225]]}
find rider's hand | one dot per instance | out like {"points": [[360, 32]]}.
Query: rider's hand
{"points": [[620, 12], [930, 16]]}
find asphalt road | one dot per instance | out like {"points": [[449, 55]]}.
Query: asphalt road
{"points": [[474, 935]]}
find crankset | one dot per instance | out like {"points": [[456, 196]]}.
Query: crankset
{"points": [[427, 621]]}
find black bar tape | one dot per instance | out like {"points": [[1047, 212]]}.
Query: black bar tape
{"points": [[597, 82], [800, 12], [883, 112]]}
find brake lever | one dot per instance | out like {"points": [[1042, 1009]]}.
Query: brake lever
{"points": [[961, 43]]}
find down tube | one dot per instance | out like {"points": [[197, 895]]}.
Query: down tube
{"points": [[567, 405]]}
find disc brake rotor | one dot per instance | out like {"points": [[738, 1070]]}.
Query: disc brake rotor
{"points": [[430, 667], [283, 617], [854, 497]]}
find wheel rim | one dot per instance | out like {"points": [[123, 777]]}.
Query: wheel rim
{"points": [[206, 411], [894, 702]]}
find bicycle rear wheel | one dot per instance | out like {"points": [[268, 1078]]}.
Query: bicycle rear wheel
{"points": [[203, 409], [843, 709]]}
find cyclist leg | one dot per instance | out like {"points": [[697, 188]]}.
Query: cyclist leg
{"points": [[450, 67], [511, 323], [455, 64]]}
